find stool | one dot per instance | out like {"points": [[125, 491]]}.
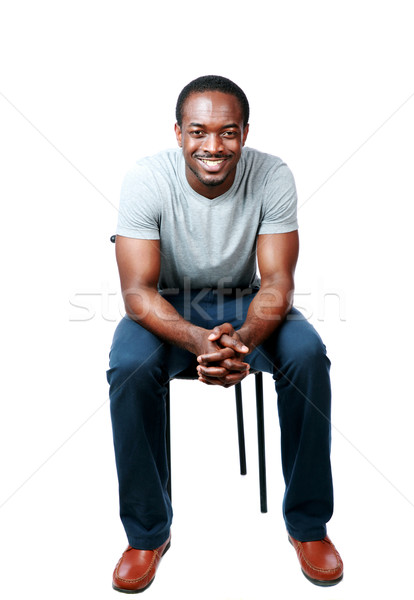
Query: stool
{"points": [[189, 374]]}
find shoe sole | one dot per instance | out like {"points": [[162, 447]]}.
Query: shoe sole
{"points": [[322, 583], [118, 589]]}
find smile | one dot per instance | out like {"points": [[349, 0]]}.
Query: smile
{"points": [[212, 163]]}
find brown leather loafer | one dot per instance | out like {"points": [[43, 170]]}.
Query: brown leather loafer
{"points": [[320, 561], [136, 569]]}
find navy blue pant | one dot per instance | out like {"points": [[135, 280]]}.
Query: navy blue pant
{"points": [[140, 367]]}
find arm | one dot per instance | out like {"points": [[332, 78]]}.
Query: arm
{"points": [[139, 265], [277, 256]]}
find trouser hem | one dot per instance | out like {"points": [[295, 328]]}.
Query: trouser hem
{"points": [[147, 543], [310, 535]]}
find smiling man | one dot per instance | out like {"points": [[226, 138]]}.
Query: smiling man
{"points": [[193, 224]]}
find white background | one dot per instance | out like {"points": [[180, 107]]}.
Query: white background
{"points": [[86, 89]]}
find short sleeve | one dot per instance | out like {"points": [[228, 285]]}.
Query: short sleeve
{"points": [[280, 202], [139, 207]]}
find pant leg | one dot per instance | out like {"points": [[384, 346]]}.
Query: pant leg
{"points": [[138, 374], [139, 368], [296, 357]]}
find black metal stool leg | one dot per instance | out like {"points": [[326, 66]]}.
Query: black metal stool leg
{"points": [[261, 441], [241, 438], [240, 429], [168, 437]]}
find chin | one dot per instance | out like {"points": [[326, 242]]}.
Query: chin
{"points": [[213, 182], [209, 181]]}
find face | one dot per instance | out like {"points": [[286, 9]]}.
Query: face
{"points": [[211, 136]]}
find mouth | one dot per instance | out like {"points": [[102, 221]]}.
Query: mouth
{"points": [[211, 164]]}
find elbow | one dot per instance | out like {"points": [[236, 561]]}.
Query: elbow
{"points": [[138, 301], [279, 291]]}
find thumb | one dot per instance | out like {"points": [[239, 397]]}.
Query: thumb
{"points": [[215, 334]]}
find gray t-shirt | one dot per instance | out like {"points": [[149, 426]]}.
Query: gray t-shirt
{"points": [[207, 243]]}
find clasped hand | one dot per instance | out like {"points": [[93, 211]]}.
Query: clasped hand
{"points": [[222, 363]]}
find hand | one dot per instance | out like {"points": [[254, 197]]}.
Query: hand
{"points": [[224, 366], [228, 338]]}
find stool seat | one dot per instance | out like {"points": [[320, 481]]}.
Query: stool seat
{"points": [[188, 373]]}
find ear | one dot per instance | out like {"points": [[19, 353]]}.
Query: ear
{"points": [[245, 132], [178, 134]]}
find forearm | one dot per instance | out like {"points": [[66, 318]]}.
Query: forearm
{"points": [[267, 311], [148, 308]]}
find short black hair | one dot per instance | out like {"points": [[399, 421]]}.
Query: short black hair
{"points": [[212, 83]]}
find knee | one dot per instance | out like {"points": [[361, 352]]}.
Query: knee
{"points": [[136, 390], [137, 367], [311, 350], [135, 353], [307, 352]]}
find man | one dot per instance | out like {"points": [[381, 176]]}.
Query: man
{"points": [[191, 224]]}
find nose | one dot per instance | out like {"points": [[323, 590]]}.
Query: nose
{"points": [[213, 144]]}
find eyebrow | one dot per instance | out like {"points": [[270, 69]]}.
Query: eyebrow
{"points": [[235, 125]]}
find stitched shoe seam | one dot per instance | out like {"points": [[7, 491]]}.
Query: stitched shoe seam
{"points": [[155, 554], [311, 566]]}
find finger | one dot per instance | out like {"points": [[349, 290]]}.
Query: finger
{"points": [[212, 381], [219, 330], [231, 342], [233, 378], [215, 334], [234, 365], [216, 356], [223, 382], [212, 371]]}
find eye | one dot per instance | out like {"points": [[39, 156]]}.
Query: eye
{"points": [[230, 134], [196, 133]]}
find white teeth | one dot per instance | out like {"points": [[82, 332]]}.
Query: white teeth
{"points": [[212, 162]]}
